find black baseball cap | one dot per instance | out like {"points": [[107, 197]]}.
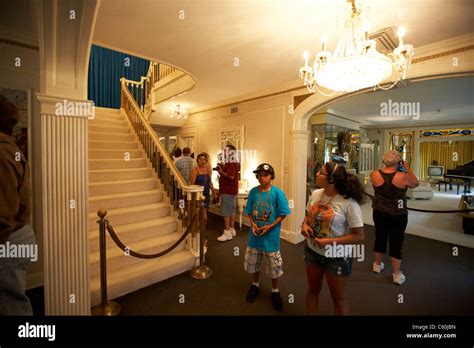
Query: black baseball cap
{"points": [[265, 167]]}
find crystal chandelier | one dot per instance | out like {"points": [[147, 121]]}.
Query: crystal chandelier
{"points": [[179, 112], [355, 64]]}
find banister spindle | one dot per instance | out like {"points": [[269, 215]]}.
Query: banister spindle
{"points": [[170, 184], [161, 168]]}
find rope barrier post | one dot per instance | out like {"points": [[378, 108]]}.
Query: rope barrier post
{"points": [[192, 210], [202, 271], [106, 308]]}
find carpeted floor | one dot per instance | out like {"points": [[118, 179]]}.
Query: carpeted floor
{"points": [[445, 227], [438, 283]]}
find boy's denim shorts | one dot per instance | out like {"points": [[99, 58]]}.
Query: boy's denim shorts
{"points": [[228, 204], [337, 265]]}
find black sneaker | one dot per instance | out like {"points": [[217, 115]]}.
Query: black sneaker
{"points": [[252, 293], [277, 301]]}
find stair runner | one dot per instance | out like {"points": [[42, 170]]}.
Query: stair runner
{"points": [[122, 181]]}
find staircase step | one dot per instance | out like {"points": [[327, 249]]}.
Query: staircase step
{"points": [[122, 200], [123, 216], [116, 145], [135, 233], [122, 181], [120, 174], [109, 129], [121, 186], [108, 111], [97, 164], [142, 274], [109, 122], [104, 116], [112, 136], [117, 259], [116, 154]]}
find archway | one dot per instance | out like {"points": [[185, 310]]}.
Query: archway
{"points": [[434, 64]]}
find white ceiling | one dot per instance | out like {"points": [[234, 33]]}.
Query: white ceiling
{"points": [[441, 101], [268, 36]]}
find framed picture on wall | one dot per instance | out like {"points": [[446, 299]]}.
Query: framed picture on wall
{"points": [[403, 143]]}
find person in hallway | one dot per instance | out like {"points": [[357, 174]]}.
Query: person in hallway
{"points": [[185, 164], [177, 154], [208, 166], [228, 191], [390, 212], [266, 208], [15, 208], [200, 176], [333, 217]]}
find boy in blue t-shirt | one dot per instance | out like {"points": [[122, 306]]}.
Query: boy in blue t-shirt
{"points": [[266, 207]]}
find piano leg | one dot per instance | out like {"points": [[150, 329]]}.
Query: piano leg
{"points": [[468, 225], [467, 186]]}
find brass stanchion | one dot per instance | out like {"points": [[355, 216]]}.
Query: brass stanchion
{"points": [[202, 271], [107, 308]]}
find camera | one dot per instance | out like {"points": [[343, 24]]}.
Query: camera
{"points": [[401, 168]]}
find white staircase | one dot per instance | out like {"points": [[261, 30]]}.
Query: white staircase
{"points": [[122, 181]]}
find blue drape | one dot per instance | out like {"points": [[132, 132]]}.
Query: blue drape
{"points": [[106, 67]]}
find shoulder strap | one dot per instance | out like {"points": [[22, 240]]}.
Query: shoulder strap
{"points": [[319, 195], [387, 177]]}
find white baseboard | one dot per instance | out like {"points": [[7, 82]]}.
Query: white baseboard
{"points": [[291, 236]]}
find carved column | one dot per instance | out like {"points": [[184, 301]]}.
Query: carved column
{"points": [[299, 139], [65, 31]]}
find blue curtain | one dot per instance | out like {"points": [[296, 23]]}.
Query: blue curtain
{"points": [[106, 67]]}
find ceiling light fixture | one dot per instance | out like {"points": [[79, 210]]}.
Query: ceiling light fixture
{"points": [[179, 112], [355, 64]]}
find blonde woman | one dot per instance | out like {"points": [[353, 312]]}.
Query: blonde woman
{"points": [[390, 211], [200, 176]]}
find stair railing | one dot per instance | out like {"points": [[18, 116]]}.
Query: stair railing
{"points": [[141, 90], [183, 197]]}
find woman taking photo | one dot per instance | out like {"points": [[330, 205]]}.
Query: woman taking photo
{"points": [[390, 211], [333, 215], [200, 176]]}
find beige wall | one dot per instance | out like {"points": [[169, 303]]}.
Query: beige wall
{"points": [[27, 77], [263, 115], [267, 130], [417, 137], [267, 126]]}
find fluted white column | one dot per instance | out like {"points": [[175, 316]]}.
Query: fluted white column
{"points": [[65, 30], [299, 142], [65, 210]]}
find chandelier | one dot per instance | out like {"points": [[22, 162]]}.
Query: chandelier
{"points": [[355, 64], [179, 112]]}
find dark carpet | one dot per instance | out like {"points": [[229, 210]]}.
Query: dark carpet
{"points": [[438, 283]]}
